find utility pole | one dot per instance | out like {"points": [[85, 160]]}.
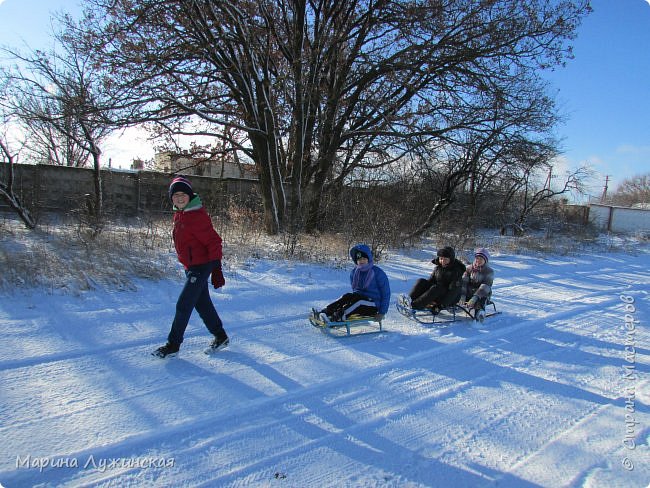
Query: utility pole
{"points": [[547, 185], [604, 195]]}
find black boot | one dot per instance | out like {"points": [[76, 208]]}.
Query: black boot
{"points": [[218, 343], [168, 350]]}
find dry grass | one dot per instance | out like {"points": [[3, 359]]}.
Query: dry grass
{"points": [[61, 256], [64, 257]]}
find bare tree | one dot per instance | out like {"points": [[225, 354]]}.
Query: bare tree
{"points": [[633, 190], [323, 88], [7, 191], [375, 78], [8, 158], [59, 95], [473, 159], [47, 145], [525, 192]]}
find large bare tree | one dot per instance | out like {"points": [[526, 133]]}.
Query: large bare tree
{"points": [[324, 87]]}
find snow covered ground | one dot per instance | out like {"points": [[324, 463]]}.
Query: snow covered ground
{"points": [[552, 392]]}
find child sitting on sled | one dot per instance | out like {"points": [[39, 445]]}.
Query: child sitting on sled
{"points": [[370, 294], [442, 289], [477, 283]]}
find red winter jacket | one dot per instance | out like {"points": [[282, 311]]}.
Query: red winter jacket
{"points": [[195, 239]]}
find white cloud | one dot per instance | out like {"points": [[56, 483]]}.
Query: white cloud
{"points": [[631, 149]]}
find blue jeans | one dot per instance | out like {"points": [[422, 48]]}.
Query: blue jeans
{"points": [[196, 295]]}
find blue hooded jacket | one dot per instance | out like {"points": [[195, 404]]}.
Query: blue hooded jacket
{"points": [[379, 289]]}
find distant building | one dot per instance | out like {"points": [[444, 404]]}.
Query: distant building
{"points": [[137, 164], [170, 162]]}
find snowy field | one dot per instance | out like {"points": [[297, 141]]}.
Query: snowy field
{"points": [[552, 392]]}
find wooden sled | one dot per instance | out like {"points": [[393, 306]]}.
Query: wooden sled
{"points": [[359, 324]]}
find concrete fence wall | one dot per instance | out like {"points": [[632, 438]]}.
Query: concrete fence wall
{"points": [[620, 219], [47, 188], [60, 188]]}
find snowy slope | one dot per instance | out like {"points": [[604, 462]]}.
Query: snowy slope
{"points": [[552, 392]]}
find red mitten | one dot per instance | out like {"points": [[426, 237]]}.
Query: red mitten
{"points": [[217, 278]]}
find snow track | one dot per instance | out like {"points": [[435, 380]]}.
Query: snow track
{"points": [[535, 398]]}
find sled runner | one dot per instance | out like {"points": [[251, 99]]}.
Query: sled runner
{"points": [[473, 314], [361, 325], [445, 316]]}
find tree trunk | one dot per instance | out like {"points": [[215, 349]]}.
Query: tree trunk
{"points": [[16, 205], [269, 204], [7, 192], [435, 212]]}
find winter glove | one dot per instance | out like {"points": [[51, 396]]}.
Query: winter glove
{"points": [[217, 278], [462, 300], [473, 302], [379, 317]]}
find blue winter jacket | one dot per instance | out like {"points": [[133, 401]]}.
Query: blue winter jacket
{"points": [[379, 289]]}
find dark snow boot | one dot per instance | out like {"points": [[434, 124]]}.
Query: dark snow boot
{"points": [[479, 315], [315, 313], [168, 350], [217, 344]]}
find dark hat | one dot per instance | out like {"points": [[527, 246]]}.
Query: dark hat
{"points": [[359, 254], [181, 184], [446, 252], [481, 251]]}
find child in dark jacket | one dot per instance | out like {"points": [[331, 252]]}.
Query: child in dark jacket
{"points": [[370, 296], [198, 247], [443, 288]]}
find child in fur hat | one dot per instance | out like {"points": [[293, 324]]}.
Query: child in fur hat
{"points": [[443, 287], [198, 247]]}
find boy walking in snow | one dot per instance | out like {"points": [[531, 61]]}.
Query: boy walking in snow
{"points": [[198, 247], [370, 294]]}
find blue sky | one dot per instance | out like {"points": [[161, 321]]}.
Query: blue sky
{"points": [[604, 91]]}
